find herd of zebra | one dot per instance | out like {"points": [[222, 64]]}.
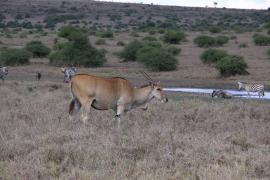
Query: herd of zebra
{"points": [[70, 71]]}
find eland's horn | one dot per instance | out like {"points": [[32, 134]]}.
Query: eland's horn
{"points": [[147, 76]]}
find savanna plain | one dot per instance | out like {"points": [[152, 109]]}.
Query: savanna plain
{"points": [[190, 137]]}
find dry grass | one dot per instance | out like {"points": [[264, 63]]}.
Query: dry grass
{"points": [[187, 138]]}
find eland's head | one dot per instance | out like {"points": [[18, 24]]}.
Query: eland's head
{"points": [[157, 90]]}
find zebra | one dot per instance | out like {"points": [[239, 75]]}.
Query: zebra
{"points": [[221, 94], [68, 73], [252, 88], [3, 73], [38, 76]]}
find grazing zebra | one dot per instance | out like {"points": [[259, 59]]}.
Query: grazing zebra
{"points": [[221, 94], [38, 76], [3, 73], [252, 88], [68, 73]]}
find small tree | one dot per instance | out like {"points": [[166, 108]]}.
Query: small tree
{"points": [[232, 65], [215, 29], [212, 55], [173, 37], [261, 40], [13, 57], [37, 48], [157, 59], [130, 50], [205, 41], [221, 40], [77, 51]]}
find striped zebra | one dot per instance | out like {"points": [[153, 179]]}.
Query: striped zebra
{"points": [[68, 73], [221, 94], [3, 73], [252, 88]]}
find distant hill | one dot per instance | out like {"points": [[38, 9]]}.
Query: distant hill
{"points": [[50, 14]]}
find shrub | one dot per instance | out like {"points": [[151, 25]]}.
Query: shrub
{"points": [[100, 42], [149, 38], [107, 34], [268, 31], [212, 55], [268, 52], [173, 37], [205, 41], [173, 50], [157, 59], [120, 43], [220, 40], [130, 50], [243, 45], [37, 48], [77, 51], [261, 40], [215, 29], [232, 65], [13, 57]]}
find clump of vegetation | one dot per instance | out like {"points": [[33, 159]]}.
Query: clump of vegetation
{"points": [[120, 43], [213, 55], [173, 37], [205, 41], [208, 41], [107, 34], [130, 50], [261, 40], [149, 38], [268, 52], [232, 65], [77, 51], [37, 48], [13, 57], [152, 54], [221, 40], [157, 59], [173, 50], [215, 29], [243, 45], [100, 42]]}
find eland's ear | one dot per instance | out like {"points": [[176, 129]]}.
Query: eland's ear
{"points": [[63, 70]]}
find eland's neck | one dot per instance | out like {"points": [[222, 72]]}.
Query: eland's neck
{"points": [[142, 95]]}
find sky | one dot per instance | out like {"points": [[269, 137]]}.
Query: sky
{"points": [[240, 4]]}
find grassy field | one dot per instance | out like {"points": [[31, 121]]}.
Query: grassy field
{"points": [[191, 137], [187, 138]]}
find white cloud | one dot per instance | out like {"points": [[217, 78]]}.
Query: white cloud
{"points": [[240, 4]]}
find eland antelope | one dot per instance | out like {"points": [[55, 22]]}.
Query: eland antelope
{"points": [[252, 88], [3, 73], [68, 73], [114, 93]]}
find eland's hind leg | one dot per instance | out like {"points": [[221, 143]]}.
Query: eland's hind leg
{"points": [[84, 110]]}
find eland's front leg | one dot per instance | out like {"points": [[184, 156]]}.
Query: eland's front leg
{"points": [[85, 110], [119, 112]]}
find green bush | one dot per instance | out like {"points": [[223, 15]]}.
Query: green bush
{"points": [[215, 29], [261, 40], [173, 50], [120, 43], [13, 57], [268, 52], [205, 41], [100, 42], [232, 65], [212, 55], [130, 50], [107, 34], [77, 51], [243, 45], [220, 40], [268, 31], [157, 59], [173, 37], [149, 38], [37, 48]]}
